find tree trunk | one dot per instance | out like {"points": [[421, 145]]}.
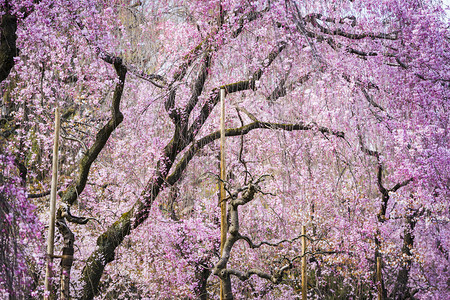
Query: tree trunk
{"points": [[202, 275], [401, 290]]}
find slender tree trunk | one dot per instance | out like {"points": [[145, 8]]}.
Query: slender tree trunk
{"points": [[401, 290], [202, 275], [66, 259], [378, 278]]}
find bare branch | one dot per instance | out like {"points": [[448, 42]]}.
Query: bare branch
{"points": [[401, 184], [39, 195], [312, 18], [152, 78], [197, 145], [64, 212], [272, 244], [244, 275]]}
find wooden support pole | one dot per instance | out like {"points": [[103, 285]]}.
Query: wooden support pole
{"points": [[379, 283], [304, 279], [223, 204], [51, 228]]}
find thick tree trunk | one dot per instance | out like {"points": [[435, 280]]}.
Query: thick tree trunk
{"points": [[103, 254]]}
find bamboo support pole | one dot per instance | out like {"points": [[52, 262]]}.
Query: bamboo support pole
{"points": [[51, 228], [223, 204], [304, 279]]}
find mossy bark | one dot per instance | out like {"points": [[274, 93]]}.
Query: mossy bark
{"points": [[104, 254]]}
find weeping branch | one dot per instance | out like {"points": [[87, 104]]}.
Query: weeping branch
{"points": [[231, 88], [38, 195], [272, 244]]}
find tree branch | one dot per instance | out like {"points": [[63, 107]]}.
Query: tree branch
{"points": [[39, 195], [312, 19], [197, 145], [71, 194], [254, 246], [231, 88], [152, 78]]}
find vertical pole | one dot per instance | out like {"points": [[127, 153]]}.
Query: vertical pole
{"points": [[380, 287], [223, 204], [304, 280], [51, 228]]}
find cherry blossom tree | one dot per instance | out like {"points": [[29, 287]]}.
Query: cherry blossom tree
{"points": [[344, 104]]}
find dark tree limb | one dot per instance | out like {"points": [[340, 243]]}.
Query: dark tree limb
{"points": [[252, 245], [157, 80], [312, 19], [229, 89], [252, 16], [71, 194], [199, 144], [199, 84], [38, 195], [64, 214], [401, 290]]}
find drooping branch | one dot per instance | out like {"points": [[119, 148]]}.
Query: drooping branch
{"points": [[179, 75], [157, 80], [370, 99], [71, 194], [64, 213], [403, 275], [275, 278], [385, 193], [282, 88], [327, 35], [38, 195], [197, 89], [251, 16], [252, 245]]}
